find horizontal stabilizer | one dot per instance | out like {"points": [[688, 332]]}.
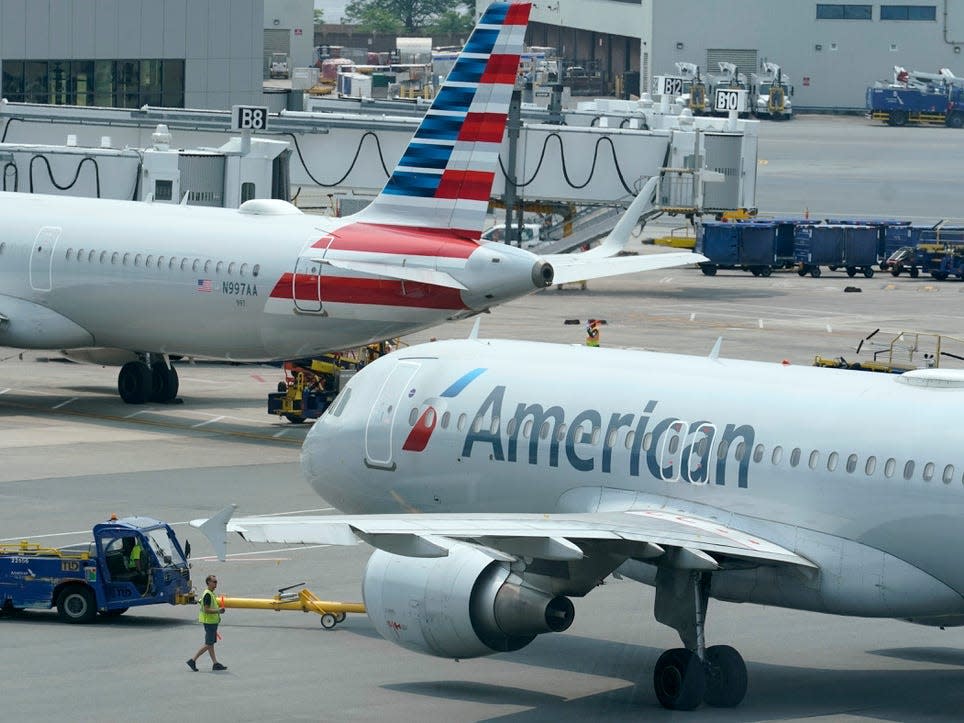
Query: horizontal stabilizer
{"points": [[392, 271], [573, 267]]}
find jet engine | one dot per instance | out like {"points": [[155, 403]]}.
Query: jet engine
{"points": [[464, 605]]}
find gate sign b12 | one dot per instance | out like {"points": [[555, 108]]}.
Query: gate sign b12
{"points": [[728, 99], [249, 118], [670, 85]]}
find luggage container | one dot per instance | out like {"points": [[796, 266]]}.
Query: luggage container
{"points": [[835, 246], [882, 226], [754, 246]]}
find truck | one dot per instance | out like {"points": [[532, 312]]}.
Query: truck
{"points": [[770, 93], [918, 97], [694, 89], [278, 66], [131, 562], [728, 77]]}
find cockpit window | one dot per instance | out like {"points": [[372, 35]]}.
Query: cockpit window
{"points": [[339, 406]]}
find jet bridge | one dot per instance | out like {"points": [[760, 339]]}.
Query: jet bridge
{"points": [[598, 154]]}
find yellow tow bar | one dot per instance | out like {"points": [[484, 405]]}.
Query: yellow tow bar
{"points": [[306, 601]]}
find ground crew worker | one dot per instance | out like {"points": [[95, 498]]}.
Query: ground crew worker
{"points": [[592, 333], [210, 617]]}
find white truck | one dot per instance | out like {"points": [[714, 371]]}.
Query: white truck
{"points": [[278, 67], [770, 93]]}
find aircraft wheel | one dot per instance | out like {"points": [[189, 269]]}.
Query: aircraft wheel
{"points": [[76, 604], [135, 382], [868, 272], [815, 272], [165, 382], [328, 621], [725, 677], [679, 679], [340, 617]]}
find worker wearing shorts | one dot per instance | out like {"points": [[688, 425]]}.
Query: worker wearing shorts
{"points": [[210, 616]]}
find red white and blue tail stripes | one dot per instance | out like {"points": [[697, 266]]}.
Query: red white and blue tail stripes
{"points": [[444, 178]]}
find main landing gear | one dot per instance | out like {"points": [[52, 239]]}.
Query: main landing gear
{"points": [[686, 677], [145, 381]]}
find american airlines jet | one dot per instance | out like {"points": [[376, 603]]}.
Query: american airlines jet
{"points": [[495, 490], [137, 284]]}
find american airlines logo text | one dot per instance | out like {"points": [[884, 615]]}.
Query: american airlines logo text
{"points": [[697, 452]]}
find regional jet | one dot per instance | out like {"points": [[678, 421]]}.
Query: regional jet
{"points": [[495, 490], [140, 285]]}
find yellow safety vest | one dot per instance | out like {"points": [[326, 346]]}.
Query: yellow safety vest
{"points": [[209, 618]]}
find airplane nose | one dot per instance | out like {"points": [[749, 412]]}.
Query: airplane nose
{"points": [[542, 274]]}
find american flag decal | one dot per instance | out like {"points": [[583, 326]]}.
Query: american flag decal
{"points": [[204, 285]]}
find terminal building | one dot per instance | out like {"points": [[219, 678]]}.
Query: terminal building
{"points": [[131, 53], [831, 51]]}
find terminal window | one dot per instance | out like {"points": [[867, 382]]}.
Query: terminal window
{"points": [[908, 12], [106, 83], [826, 11]]}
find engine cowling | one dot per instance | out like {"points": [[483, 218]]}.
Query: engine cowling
{"points": [[464, 605]]}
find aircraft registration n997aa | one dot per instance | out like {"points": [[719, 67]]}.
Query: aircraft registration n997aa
{"points": [[676, 471], [138, 284]]}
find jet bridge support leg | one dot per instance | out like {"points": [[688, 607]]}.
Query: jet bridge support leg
{"points": [[685, 677]]}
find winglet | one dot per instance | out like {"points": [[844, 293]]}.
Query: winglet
{"points": [[216, 530], [715, 351], [619, 237]]}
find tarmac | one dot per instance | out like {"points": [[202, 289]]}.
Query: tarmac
{"points": [[73, 453]]}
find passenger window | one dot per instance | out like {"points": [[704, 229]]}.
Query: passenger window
{"points": [[795, 457], [244, 269], [446, 416], [777, 455], [160, 262], [889, 467], [673, 444], [461, 423], [127, 259], [561, 434], [596, 433], [231, 268], [814, 459], [256, 269], [184, 264], [909, 469], [722, 449], [758, 453], [70, 252], [870, 466], [476, 424], [207, 266], [630, 438], [196, 265], [928, 471], [412, 417], [103, 256], [90, 256], [220, 267], [494, 427], [137, 260], [740, 451], [851, 463], [526, 429], [647, 441], [832, 461], [544, 431], [948, 474], [80, 254], [509, 428]]}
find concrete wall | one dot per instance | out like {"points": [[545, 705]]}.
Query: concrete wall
{"points": [[852, 54], [298, 17], [219, 40]]}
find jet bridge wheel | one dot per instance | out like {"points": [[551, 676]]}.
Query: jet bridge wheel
{"points": [[679, 679], [725, 676], [135, 382]]}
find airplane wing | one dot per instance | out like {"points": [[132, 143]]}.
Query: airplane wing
{"points": [[693, 542], [406, 273]]}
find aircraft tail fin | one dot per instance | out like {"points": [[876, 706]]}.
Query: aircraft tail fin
{"points": [[444, 179]]}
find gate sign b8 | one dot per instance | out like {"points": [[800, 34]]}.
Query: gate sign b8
{"points": [[728, 99], [669, 85], [249, 118]]}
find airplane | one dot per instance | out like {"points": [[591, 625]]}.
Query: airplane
{"points": [[494, 490], [140, 285]]}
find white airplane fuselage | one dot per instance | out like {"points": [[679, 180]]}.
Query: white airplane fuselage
{"points": [[862, 474], [252, 284]]}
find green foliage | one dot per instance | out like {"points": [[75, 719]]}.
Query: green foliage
{"points": [[409, 16], [319, 16], [452, 22]]}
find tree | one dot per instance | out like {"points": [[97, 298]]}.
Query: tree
{"points": [[319, 17], [411, 16]]}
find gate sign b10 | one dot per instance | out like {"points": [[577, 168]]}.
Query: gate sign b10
{"points": [[669, 85], [728, 99], [249, 118]]}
